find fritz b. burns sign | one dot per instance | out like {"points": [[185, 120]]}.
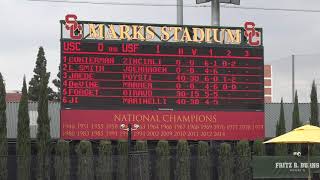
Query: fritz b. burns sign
{"points": [[284, 166]]}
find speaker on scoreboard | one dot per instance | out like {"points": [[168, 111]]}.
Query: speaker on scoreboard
{"points": [[236, 2]]}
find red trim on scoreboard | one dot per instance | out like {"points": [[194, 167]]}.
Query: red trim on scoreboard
{"points": [[168, 125]]}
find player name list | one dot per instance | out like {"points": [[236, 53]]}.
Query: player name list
{"points": [[119, 75]]}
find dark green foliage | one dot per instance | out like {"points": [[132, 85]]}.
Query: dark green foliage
{"points": [[314, 119], [43, 133], [315, 150], [40, 72], [105, 164], [62, 160], [182, 171], [23, 149], [296, 121], [226, 162], [277, 128], [259, 148], [296, 147], [281, 149], [295, 114], [141, 146], [85, 161], [3, 132], [314, 116], [122, 166], [140, 161], [56, 82], [203, 161], [163, 161], [243, 158], [281, 125]]}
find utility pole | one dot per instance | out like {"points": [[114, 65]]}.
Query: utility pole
{"points": [[293, 79]]}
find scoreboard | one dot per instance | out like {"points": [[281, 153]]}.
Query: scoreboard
{"points": [[172, 90], [144, 76]]}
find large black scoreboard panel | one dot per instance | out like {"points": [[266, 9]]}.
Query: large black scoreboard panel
{"points": [[131, 75]]}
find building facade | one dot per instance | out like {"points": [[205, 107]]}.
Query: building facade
{"points": [[267, 83]]}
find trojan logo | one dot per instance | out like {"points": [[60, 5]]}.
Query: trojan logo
{"points": [[73, 26], [251, 34]]}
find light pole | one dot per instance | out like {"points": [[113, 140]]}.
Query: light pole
{"points": [[129, 128]]}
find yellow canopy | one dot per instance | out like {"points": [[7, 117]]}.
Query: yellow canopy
{"points": [[306, 134], [303, 134]]}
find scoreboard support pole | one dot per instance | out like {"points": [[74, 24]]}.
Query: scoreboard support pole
{"points": [[180, 12], [215, 12], [215, 21], [180, 15]]}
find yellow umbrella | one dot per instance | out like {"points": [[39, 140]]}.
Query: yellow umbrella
{"points": [[306, 134]]}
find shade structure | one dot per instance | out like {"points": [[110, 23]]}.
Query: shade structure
{"points": [[306, 134]]}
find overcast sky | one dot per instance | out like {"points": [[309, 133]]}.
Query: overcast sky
{"points": [[26, 25]]}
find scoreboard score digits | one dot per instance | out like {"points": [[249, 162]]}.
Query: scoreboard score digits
{"points": [[172, 90]]}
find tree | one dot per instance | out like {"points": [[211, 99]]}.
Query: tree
{"points": [[43, 132], [23, 150], [85, 160], [281, 149], [243, 158], [56, 82], [162, 161], [141, 161], [105, 165], [3, 132], [314, 119], [281, 122], [226, 162], [296, 121], [214, 159], [258, 148], [315, 150], [295, 114], [277, 128], [183, 161], [122, 167], [40, 73], [62, 160], [203, 161]]}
